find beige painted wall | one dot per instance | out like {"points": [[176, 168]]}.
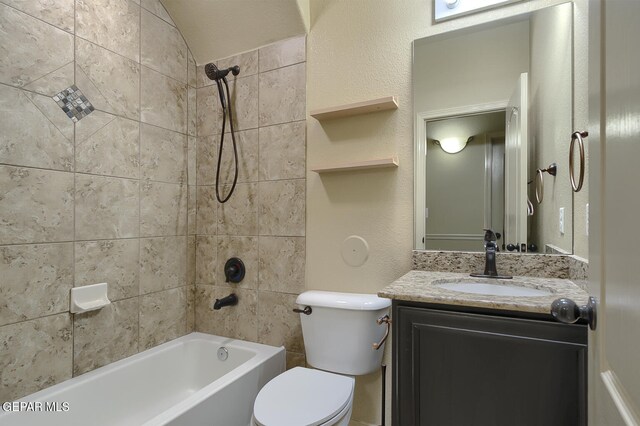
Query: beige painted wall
{"points": [[357, 50], [470, 69]]}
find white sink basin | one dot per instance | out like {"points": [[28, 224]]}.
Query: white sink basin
{"points": [[477, 287]]}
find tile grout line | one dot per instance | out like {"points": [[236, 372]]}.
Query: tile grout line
{"points": [[75, 195], [139, 265]]}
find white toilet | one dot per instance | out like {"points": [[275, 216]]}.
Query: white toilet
{"points": [[339, 334]]}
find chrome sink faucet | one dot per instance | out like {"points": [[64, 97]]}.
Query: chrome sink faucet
{"points": [[490, 248]]}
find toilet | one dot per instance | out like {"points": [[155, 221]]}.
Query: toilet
{"points": [[339, 333]]}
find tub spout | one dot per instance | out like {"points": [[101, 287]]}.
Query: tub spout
{"points": [[230, 300]]}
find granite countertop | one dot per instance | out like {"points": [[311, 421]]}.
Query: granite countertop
{"points": [[422, 286]]}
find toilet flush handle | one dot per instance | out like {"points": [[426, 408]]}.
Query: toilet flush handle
{"points": [[383, 320], [307, 310]]}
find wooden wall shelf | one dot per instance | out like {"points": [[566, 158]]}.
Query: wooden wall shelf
{"points": [[358, 165], [365, 107]]}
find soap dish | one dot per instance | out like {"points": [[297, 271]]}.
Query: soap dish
{"points": [[89, 298]]}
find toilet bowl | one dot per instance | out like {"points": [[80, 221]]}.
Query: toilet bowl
{"points": [[339, 331], [305, 397]]}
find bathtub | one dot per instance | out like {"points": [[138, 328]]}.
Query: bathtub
{"points": [[181, 382]]}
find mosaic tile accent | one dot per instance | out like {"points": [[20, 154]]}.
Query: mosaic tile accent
{"points": [[74, 103]]}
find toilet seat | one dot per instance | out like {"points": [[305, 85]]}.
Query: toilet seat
{"points": [[303, 396]]}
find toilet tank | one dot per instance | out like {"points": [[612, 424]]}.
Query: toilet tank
{"points": [[341, 329]]}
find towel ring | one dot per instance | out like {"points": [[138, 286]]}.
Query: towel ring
{"points": [[552, 169], [577, 136]]}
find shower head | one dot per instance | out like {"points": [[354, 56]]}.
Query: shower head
{"points": [[214, 73]]}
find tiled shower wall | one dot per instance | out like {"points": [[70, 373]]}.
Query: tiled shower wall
{"points": [[103, 199], [264, 221]]}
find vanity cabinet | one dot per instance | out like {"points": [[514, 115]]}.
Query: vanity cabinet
{"points": [[462, 367]]}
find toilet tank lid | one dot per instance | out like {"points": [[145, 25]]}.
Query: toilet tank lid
{"points": [[350, 301]]}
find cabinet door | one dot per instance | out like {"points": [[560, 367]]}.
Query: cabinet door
{"points": [[470, 369]]}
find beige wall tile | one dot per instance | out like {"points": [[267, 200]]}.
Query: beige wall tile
{"points": [[283, 53], [115, 262], [163, 263], [104, 336], [283, 151], [207, 211], [112, 24], [206, 260], [247, 147], [191, 260], [112, 150], [283, 95], [106, 207], [237, 322], [47, 197], [163, 317], [208, 111], [277, 323], [53, 113], [28, 136], [192, 210], [282, 207], [163, 101], [201, 78], [163, 209], [239, 215], [245, 248], [192, 79], [155, 7], [92, 124], [111, 82], [244, 102], [30, 48], [52, 83], [282, 264], [191, 160], [248, 63], [36, 354], [163, 154], [192, 116], [162, 47], [191, 309], [295, 360], [206, 160], [36, 280], [58, 13]]}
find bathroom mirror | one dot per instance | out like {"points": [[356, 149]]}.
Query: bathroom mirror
{"points": [[492, 104]]}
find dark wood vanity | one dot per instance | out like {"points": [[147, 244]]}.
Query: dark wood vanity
{"points": [[461, 366]]}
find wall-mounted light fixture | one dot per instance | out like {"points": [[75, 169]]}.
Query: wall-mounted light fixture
{"points": [[448, 9], [453, 145]]}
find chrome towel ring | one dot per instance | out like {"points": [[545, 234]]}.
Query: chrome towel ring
{"points": [[577, 136]]}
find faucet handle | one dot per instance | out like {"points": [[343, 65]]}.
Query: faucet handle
{"points": [[489, 236]]}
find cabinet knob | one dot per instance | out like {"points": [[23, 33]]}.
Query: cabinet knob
{"points": [[568, 311]]}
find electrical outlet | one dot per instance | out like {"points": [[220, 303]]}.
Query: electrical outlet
{"points": [[561, 220], [586, 215]]}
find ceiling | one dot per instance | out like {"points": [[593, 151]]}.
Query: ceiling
{"points": [[216, 29]]}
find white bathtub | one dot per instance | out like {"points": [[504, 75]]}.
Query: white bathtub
{"points": [[181, 382]]}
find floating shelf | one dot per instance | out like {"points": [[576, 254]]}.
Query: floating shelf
{"points": [[365, 107], [358, 165]]}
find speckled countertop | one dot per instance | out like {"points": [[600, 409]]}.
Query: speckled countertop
{"points": [[422, 286]]}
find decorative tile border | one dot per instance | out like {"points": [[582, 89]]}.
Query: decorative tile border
{"points": [[74, 103]]}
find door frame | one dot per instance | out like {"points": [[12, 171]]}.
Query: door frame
{"points": [[420, 153]]}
